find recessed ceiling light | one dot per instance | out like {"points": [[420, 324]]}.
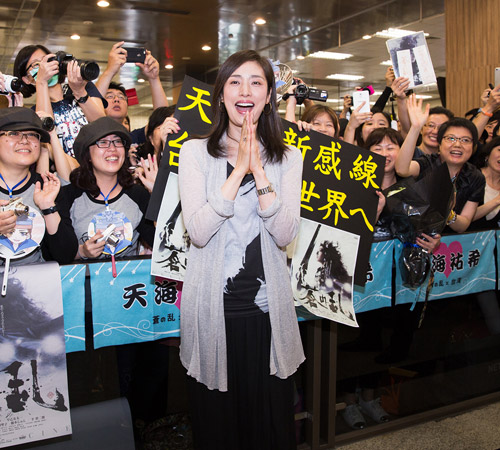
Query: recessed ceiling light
{"points": [[140, 80], [186, 58], [387, 62], [88, 22], [395, 33], [75, 37], [343, 76], [330, 55], [300, 57], [206, 48], [367, 36], [169, 66], [103, 4], [260, 21]]}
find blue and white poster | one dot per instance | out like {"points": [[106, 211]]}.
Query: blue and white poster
{"points": [[134, 306], [34, 400], [377, 291], [73, 291], [462, 264]]}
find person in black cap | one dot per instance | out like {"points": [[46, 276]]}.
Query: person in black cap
{"points": [[21, 133], [102, 193]]}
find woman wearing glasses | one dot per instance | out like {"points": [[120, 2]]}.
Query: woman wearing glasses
{"points": [[80, 104], [457, 140], [102, 196], [21, 133]]}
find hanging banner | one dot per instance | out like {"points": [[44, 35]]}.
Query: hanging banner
{"points": [[462, 264], [377, 291], [339, 181], [73, 292], [34, 401], [322, 271], [194, 113], [133, 307]]}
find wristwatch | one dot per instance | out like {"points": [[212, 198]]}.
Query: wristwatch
{"points": [[82, 99], [265, 190], [50, 210]]}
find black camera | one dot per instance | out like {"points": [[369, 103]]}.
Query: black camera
{"points": [[48, 123], [88, 69], [302, 92], [12, 84]]}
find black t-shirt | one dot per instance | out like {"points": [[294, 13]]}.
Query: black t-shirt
{"points": [[469, 184]]}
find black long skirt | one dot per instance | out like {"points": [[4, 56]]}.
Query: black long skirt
{"points": [[257, 411]]}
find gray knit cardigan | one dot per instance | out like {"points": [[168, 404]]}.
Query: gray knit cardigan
{"points": [[205, 211]]}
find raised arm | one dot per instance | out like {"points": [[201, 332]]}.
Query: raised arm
{"points": [[405, 167], [93, 107], [151, 70], [117, 57], [356, 120], [491, 103], [399, 86], [47, 69]]}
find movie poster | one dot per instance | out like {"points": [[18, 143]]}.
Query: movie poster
{"points": [[34, 403], [171, 241], [322, 271]]}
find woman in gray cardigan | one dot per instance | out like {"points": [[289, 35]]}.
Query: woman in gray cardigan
{"points": [[240, 194]]}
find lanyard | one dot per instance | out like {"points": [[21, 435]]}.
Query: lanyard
{"points": [[105, 196], [21, 182]]}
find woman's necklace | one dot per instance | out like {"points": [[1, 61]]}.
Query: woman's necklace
{"points": [[13, 187]]}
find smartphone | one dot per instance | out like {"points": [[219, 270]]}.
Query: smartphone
{"points": [[497, 76], [135, 54], [359, 97]]}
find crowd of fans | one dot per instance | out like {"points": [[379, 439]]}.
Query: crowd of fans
{"points": [[90, 169]]}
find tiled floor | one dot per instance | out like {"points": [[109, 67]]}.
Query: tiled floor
{"points": [[475, 430]]}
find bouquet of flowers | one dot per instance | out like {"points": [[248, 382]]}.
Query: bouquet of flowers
{"points": [[417, 207]]}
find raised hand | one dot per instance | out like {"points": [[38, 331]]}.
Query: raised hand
{"points": [[418, 115], [147, 172], [151, 67], [399, 86], [45, 196]]}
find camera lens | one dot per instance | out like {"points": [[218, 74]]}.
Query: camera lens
{"points": [[12, 84], [89, 70], [48, 123]]}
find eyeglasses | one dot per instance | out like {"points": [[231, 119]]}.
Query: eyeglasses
{"points": [[453, 139], [103, 143], [31, 136], [432, 125], [118, 96]]}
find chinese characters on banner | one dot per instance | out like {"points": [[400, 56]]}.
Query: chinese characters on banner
{"points": [[34, 402], [133, 307], [462, 265], [194, 112], [339, 181]]}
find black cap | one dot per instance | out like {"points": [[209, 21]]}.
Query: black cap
{"points": [[96, 130], [18, 118]]}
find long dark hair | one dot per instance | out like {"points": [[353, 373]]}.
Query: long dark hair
{"points": [[495, 142], [332, 262], [269, 127], [83, 177]]}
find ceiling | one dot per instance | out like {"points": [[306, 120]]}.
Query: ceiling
{"points": [[176, 30]]}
